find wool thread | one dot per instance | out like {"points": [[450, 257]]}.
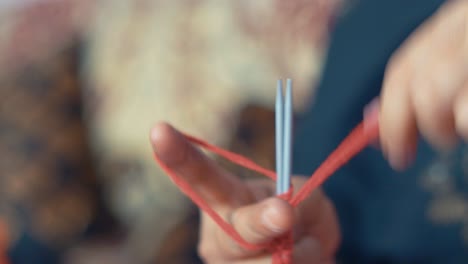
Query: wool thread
{"points": [[281, 248]]}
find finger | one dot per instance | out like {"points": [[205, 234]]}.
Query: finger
{"points": [[434, 90], [371, 119], [263, 188], [219, 188], [308, 250], [317, 218], [326, 229], [461, 112], [432, 99], [397, 124], [257, 224]]}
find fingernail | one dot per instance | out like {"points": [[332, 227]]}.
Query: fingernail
{"points": [[269, 215], [371, 117], [395, 162], [372, 108], [402, 161]]}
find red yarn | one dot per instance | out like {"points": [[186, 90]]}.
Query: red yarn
{"points": [[4, 239], [281, 248]]}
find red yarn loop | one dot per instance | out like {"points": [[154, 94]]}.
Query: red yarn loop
{"points": [[281, 248]]}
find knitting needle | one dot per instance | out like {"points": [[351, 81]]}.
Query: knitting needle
{"points": [[287, 137], [279, 136]]}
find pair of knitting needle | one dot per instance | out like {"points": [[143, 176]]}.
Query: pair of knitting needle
{"points": [[283, 134]]}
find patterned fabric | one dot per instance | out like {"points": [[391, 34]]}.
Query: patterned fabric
{"points": [[209, 67], [33, 30], [48, 187], [196, 64]]}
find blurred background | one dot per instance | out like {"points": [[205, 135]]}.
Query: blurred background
{"points": [[82, 82]]}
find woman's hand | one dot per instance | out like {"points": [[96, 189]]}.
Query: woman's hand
{"points": [[426, 87], [250, 208]]}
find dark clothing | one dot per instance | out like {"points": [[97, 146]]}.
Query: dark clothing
{"points": [[385, 217]]}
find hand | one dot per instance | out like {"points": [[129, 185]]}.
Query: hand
{"points": [[426, 87], [249, 207]]}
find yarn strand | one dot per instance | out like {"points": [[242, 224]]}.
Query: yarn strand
{"points": [[281, 248]]}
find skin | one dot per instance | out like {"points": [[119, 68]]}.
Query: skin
{"points": [[425, 91], [250, 207]]}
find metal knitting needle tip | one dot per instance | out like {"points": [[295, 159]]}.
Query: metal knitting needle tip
{"points": [[287, 137], [279, 136]]}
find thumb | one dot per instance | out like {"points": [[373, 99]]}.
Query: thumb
{"points": [[259, 223]]}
